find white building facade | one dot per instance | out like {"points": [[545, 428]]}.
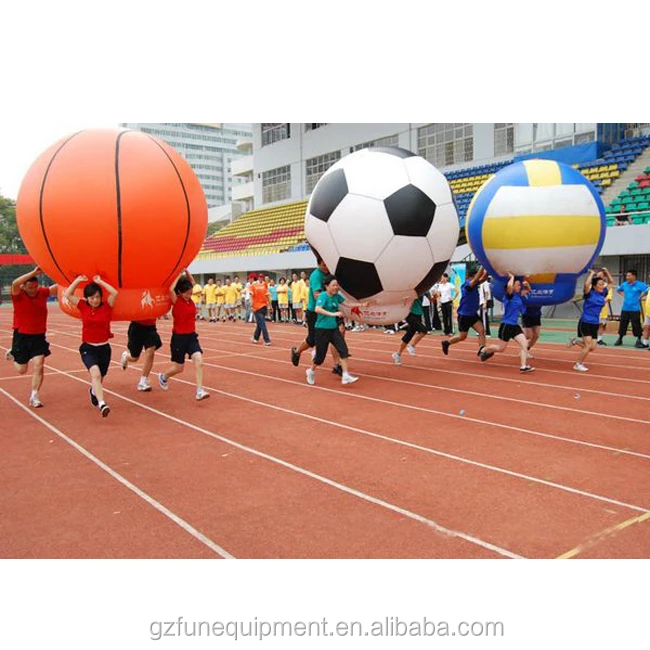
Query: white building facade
{"points": [[289, 158]]}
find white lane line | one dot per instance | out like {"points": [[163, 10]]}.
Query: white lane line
{"points": [[317, 477], [188, 528]]}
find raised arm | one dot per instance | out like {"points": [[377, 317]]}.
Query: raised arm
{"points": [[112, 291], [18, 282], [590, 277], [511, 284], [172, 290], [608, 275], [69, 292]]}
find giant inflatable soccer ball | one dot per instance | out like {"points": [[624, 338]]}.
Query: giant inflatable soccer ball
{"points": [[541, 219], [377, 314], [385, 223], [118, 203]]}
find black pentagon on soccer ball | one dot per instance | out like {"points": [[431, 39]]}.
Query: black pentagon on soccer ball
{"points": [[329, 192], [410, 211], [395, 151], [431, 277], [359, 279]]}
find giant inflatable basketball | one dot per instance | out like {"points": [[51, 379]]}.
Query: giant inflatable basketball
{"points": [[118, 203], [537, 218]]}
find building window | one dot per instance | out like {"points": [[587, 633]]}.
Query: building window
{"points": [[388, 141], [276, 184], [313, 127], [316, 167], [504, 139], [275, 132], [446, 144]]}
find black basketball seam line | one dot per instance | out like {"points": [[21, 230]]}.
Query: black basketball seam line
{"points": [[189, 212], [118, 196], [40, 204]]}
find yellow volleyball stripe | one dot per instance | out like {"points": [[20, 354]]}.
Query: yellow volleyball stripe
{"points": [[543, 172], [555, 231], [542, 278]]}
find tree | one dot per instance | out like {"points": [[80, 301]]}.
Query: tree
{"points": [[10, 241]]}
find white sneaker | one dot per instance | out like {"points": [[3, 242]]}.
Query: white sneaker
{"points": [[580, 367], [411, 350], [34, 402], [530, 355], [253, 340], [124, 360], [349, 379], [202, 394], [162, 380], [397, 359], [144, 386], [571, 342], [8, 355], [311, 376]]}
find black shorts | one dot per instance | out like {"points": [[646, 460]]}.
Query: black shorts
{"points": [[27, 346], [323, 339], [465, 323], [531, 321], [184, 345], [507, 332], [588, 329], [142, 337], [310, 317], [415, 326], [96, 355]]}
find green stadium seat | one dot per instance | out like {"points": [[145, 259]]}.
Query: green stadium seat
{"points": [[632, 185], [610, 222], [638, 219]]}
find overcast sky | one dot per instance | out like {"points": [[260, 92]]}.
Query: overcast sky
{"points": [[19, 147]]}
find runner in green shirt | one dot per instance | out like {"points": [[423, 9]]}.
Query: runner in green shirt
{"points": [[415, 331]]}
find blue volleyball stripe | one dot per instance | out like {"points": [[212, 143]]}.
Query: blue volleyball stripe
{"points": [[514, 174]]}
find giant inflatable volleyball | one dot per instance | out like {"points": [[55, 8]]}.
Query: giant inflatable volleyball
{"points": [[385, 223], [118, 203], [537, 218]]}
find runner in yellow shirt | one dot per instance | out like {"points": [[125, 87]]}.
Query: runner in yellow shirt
{"points": [[298, 289], [230, 296], [210, 296], [220, 295], [197, 299], [238, 312], [283, 300]]}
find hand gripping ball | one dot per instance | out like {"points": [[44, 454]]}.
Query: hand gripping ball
{"points": [[118, 203], [385, 223], [537, 218]]}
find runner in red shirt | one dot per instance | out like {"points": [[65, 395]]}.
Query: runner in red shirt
{"points": [[30, 325], [185, 341], [95, 332], [142, 335]]}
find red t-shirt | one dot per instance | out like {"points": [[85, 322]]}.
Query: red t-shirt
{"points": [[96, 323], [184, 315], [30, 314]]}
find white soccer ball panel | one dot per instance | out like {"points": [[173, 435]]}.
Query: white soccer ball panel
{"points": [[360, 228], [374, 174], [443, 235], [404, 262], [426, 177], [318, 234]]}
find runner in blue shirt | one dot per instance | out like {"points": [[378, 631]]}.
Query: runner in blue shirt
{"points": [[595, 293], [468, 310], [632, 291], [514, 303], [531, 321]]}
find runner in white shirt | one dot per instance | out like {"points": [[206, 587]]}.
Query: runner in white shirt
{"points": [[447, 293]]}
